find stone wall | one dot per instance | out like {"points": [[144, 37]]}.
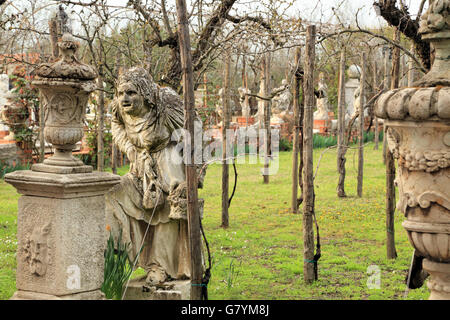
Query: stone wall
{"points": [[8, 154]]}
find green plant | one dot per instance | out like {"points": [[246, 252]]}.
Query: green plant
{"points": [[92, 140], [7, 168], [323, 142], [285, 145], [118, 267], [232, 274]]}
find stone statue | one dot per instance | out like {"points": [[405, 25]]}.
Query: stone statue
{"points": [[150, 203], [282, 101], [354, 73], [245, 105], [14, 114], [219, 104], [322, 100]]}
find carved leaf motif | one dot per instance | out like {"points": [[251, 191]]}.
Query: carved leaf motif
{"points": [[426, 198]]}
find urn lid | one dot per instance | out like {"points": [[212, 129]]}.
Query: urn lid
{"points": [[67, 66]]}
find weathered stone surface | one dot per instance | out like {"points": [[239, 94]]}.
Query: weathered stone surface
{"points": [[51, 185], [60, 231], [176, 290], [61, 244], [418, 131], [150, 204], [65, 86], [322, 100], [8, 153], [29, 295]]}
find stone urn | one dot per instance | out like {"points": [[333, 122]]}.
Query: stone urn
{"points": [[65, 86], [14, 115], [418, 135]]}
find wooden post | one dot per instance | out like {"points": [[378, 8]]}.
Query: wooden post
{"points": [[390, 165], [267, 109], [387, 86], [205, 88], [377, 126], [114, 150], [195, 243], [362, 102], [342, 147], [225, 126], [308, 182], [295, 144], [100, 120], [411, 69]]}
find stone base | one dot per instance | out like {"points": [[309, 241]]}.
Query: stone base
{"points": [[42, 167], [61, 233], [29, 295], [439, 284], [176, 290]]}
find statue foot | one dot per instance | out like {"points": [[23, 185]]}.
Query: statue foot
{"points": [[156, 276]]}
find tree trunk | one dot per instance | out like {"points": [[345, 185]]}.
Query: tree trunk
{"points": [[195, 243], [390, 165], [342, 147], [100, 120], [411, 70], [267, 109], [295, 144], [362, 102], [308, 183], [387, 86], [225, 126], [375, 118]]}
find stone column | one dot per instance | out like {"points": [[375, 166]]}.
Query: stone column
{"points": [[418, 134], [61, 227]]}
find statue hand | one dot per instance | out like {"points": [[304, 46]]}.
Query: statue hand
{"points": [[131, 154]]}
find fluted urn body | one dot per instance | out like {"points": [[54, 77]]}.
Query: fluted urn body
{"points": [[418, 135], [65, 87]]}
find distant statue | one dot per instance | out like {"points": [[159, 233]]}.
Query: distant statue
{"points": [[63, 21], [219, 104], [281, 103], [15, 115], [322, 100], [245, 104], [150, 204]]}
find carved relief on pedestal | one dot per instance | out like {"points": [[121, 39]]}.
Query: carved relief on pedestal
{"points": [[35, 250]]}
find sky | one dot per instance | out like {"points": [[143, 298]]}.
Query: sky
{"points": [[320, 10]]}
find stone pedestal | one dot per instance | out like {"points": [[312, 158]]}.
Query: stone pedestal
{"points": [[61, 234], [353, 72], [174, 290], [322, 125]]}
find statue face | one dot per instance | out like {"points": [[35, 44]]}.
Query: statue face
{"points": [[130, 101]]}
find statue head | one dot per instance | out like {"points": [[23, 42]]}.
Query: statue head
{"points": [[136, 92]]}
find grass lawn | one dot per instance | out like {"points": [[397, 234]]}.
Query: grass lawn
{"points": [[260, 256]]}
